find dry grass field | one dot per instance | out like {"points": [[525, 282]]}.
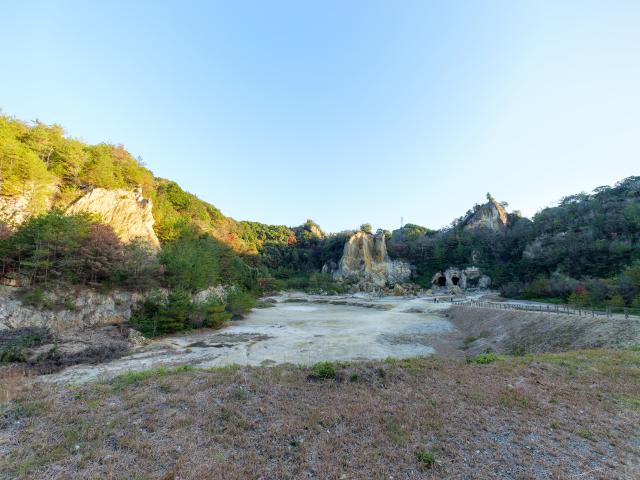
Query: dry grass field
{"points": [[564, 415]]}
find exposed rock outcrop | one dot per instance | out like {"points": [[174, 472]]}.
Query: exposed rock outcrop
{"points": [[310, 229], [127, 212], [74, 308], [492, 216], [365, 257], [218, 293], [35, 199], [470, 277]]}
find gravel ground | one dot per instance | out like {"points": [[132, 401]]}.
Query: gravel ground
{"points": [[566, 415]]}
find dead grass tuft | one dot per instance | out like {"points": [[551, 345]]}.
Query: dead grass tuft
{"points": [[535, 416]]}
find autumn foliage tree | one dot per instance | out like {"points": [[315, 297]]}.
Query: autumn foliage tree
{"points": [[101, 253]]}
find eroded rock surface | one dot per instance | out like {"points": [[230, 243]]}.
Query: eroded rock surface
{"points": [[35, 199], [492, 216], [365, 257], [69, 309], [470, 277], [127, 212]]}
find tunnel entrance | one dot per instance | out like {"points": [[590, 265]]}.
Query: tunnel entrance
{"points": [[473, 282], [455, 280], [442, 281]]}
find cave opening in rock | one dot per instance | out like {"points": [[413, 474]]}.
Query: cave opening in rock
{"points": [[442, 281], [473, 282], [455, 280]]}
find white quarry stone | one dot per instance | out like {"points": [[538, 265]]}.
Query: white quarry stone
{"points": [[127, 212]]}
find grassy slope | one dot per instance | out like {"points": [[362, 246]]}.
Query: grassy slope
{"points": [[548, 415]]}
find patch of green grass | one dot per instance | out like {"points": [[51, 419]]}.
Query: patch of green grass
{"points": [[132, 378], [20, 409], [586, 434], [322, 370], [425, 459], [484, 358], [240, 393], [629, 402]]}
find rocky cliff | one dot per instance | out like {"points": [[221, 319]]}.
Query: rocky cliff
{"points": [[127, 212], [365, 257], [71, 309], [492, 216], [34, 199]]}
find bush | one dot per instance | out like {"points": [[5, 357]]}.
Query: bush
{"points": [[162, 316], [35, 297], [158, 316], [485, 358], [426, 459], [209, 315], [322, 370], [240, 303]]}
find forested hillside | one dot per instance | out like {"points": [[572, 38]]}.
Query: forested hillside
{"points": [[43, 172], [585, 250]]}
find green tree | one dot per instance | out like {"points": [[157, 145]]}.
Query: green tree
{"points": [[366, 227]]}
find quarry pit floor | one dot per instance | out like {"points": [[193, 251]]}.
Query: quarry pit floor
{"points": [[298, 329]]}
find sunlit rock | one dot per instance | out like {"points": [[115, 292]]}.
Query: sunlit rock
{"points": [[365, 258], [127, 212]]}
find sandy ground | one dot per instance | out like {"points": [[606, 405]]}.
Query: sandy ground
{"points": [[304, 329], [299, 329]]}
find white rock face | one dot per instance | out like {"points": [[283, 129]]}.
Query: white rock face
{"points": [[365, 257], [127, 212], [218, 293], [81, 307]]}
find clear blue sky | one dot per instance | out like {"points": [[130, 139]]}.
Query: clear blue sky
{"points": [[344, 112]]}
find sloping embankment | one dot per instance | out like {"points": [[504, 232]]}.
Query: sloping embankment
{"points": [[512, 331]]}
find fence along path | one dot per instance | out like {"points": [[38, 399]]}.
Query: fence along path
{"points": [[563, 309]]}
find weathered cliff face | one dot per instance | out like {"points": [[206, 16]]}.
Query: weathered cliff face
{"points": [[127, 212], [35, 199], [492, 216], [470, 277], [76, 308], [365, 257]]}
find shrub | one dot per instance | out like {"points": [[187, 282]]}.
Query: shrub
{"points": [[209, 315], [485, 358], [426, 459], [322, 370], [159, 316], [240, 303]]}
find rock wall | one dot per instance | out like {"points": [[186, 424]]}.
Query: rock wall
{"points": [[470, 277], [365, 257], [71, 309], [127, 212], [35, 199]]}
